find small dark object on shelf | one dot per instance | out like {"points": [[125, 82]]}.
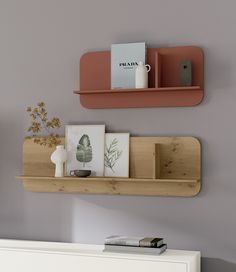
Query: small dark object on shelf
{"points": [[185, 73], [80, 173]]}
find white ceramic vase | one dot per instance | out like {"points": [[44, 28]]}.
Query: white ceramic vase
{"points": [[58, 157], [141, 75]]}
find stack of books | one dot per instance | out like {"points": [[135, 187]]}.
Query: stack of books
{"points": [[137, 245]]}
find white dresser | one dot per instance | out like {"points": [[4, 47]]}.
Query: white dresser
{"points": [[32, 256]]}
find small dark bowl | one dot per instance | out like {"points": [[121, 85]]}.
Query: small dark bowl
{"points": [[80, 173]]}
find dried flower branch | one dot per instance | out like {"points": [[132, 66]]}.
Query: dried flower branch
{"points": [[40, 122]]}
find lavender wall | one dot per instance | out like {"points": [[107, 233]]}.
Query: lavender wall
{"points": [[41, 43]]}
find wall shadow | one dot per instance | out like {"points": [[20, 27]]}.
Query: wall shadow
{"points": [[217, 265]]}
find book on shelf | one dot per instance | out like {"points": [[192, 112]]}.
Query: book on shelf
{"points": [[134, 241], [135, 250], [124, 59]]}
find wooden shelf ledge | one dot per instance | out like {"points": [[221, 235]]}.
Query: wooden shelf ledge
{"points": [[109, 179], [122, 91], [112, 186]]}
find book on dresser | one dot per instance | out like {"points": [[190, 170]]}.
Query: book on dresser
{"points": [[136, 250], [134, 241]]}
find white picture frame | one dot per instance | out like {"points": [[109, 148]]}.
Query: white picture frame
{"points": [[85, 148], [116, 154]]}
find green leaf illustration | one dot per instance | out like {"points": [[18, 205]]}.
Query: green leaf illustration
{"points": [[112, 154], [84, 150]]}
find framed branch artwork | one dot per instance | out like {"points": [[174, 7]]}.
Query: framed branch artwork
{"points": [[116, 155], [85, 148]]}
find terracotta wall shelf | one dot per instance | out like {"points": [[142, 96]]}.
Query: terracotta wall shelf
{"points": [[164, 166], [165, 90]]}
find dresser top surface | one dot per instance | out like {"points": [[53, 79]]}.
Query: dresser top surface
{"points": [[94, 250]]}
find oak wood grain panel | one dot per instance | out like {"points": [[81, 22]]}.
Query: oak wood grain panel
{"points": [[177, 168], [108, 187]]}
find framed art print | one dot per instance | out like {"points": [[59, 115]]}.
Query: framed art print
{"points": [[116, 155], [85, 148]]}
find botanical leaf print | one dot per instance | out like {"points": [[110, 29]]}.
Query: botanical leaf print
{"points": [[84, 152], [112, 154]]}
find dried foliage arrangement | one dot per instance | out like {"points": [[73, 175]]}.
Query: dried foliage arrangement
{"points": [[41, 123]]}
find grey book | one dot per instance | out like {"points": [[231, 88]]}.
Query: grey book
{"points": [[134, 241], [124, 59], [151, 242], [135, 250]]}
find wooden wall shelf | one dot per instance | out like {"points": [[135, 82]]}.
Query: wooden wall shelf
{"points": [[165, 90], [164, 166], [111, 186]]}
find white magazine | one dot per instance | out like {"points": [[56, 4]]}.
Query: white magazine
{"points": [[124, 59]]}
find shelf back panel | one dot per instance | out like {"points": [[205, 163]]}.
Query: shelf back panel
{"points": [[95, 74], [179, 158]]}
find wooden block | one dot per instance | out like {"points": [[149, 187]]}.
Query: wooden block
{"points": [[180, 157]]}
